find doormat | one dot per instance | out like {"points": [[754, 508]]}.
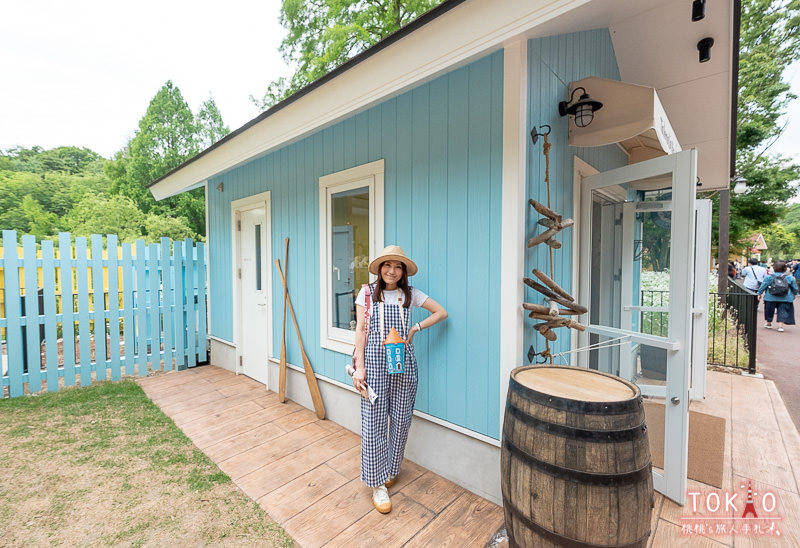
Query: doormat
{"points": [[706, 443]]}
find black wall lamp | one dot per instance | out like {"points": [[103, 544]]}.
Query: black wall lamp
{"points": [[583, 109], [698, 9], [704, 48]]}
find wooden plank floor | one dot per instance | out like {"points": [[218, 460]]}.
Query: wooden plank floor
{"points": [[762, 445], [305, 472]]}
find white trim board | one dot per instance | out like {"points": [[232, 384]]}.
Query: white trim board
{"points": [[370, 175]]}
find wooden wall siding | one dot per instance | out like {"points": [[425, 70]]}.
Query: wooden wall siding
{"points": [[441, 143], [554, 62]]}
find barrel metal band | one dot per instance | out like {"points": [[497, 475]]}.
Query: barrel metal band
{"points": [[598, 436], [559, 540], [576, 406], [576, 476]]}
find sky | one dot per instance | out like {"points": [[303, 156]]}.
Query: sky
{"points": [[82, 73], [789, 143]]}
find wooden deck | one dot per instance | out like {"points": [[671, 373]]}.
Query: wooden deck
{"points": [[305, 472]]}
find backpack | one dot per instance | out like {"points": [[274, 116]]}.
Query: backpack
{"points": [[779, 286]]}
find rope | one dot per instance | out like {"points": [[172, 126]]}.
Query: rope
{"points": [[546, 152], [610, 343]]}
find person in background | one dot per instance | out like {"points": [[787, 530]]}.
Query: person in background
{"points": [[753, 275], [796, 270], [782, 301]]}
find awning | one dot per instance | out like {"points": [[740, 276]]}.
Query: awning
{"points": [[632, 116]]}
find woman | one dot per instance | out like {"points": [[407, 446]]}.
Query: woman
{"points": [[784, 303], [385, 423]]}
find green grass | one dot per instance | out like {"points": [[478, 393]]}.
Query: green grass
{"points": [[102, 465]]}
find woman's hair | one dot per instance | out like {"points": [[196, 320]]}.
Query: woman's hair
{"points": [[779, 266], [402, 284]]}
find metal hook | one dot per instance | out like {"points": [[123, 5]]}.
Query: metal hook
{"points": [[535, 133]]}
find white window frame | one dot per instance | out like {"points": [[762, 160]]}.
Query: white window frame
{"points": [[369, 175]]}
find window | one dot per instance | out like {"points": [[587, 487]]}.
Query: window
{"points": [[351, 231]]}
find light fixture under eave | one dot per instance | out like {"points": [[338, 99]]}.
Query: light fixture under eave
{"points": [[698, 10], [704, 49], [583, 109], [221, 187]]}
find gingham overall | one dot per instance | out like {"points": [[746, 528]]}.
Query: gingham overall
{"points": [[383, 441]]}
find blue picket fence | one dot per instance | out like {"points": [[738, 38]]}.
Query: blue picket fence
{"points": [[147, 303]]}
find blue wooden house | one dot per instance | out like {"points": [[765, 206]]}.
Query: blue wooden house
{"points": [[424, 141]]}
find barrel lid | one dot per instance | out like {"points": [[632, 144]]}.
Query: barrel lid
{"points": [[575, 383]]}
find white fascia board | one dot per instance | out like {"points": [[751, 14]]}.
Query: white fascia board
{"points": [[455, 38]]}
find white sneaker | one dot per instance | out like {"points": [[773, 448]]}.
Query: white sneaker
{"points": [[768, 325], [780, 330], [380, 499]]}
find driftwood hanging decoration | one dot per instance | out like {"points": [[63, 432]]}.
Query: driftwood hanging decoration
{"points": [[553, 296], [550, 314]]}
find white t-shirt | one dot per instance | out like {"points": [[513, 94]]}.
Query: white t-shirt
{"points": [[395, 296], [753, 276]]}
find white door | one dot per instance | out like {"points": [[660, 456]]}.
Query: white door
{"points": [[253, 324], [637, 275]]}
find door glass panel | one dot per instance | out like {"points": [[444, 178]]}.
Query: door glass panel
{"points": [[258, 257], [637, 249], [349, 251]]}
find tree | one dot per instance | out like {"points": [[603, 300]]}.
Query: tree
{"points": [[165, 139], [781, 243], [210, 127], [323, 34], [770, 41], [169, 134]]}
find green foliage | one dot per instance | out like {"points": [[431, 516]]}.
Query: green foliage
{"points": [[101, 214], [165, 139], [210, 127], [70, 160], [323, 34], [770, 42], [44, 192], [169, 135], [781, 244], [783, 237]]}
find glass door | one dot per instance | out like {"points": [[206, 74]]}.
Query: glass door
{"points": [[637, 275]]}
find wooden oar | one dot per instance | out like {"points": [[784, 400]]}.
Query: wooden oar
{"points": [[282, 379], [316, 397]]}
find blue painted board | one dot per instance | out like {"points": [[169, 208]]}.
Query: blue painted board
{"points": [[50, 321], [154, 306], [168, 297], [128, 315], [99, 307], [177, 269], [141, 308], [30, 319], [84, 319], [191, 307], [113, 307], [13, 315], [67, 307]]}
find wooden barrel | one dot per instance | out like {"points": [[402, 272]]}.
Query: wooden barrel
{"points": [[575, 460]]}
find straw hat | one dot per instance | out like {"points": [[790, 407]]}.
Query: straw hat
{"points": [[393, 253]]}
